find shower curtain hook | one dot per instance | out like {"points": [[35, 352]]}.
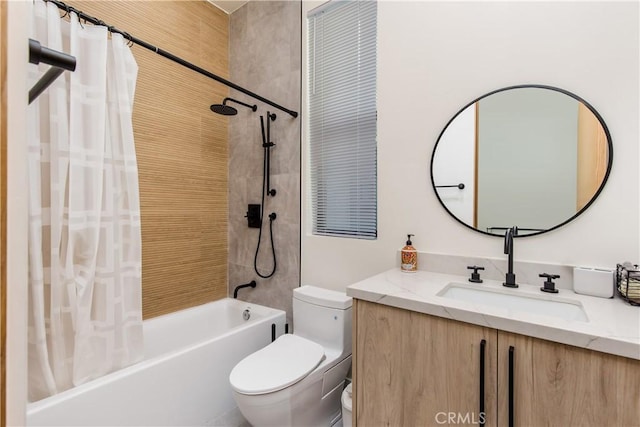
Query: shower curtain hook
{"points": [[67, 12], [70, 9], [128, 37]]}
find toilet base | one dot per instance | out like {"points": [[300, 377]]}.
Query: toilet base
{"points": [[293, 406]]}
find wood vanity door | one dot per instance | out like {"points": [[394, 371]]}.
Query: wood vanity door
{"points": [[414, 369], [561, 385]]}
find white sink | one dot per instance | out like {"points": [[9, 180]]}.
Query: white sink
{"points": [[557, 307]]}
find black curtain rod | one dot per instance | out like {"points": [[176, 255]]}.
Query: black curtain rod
{"points": [[168, 55]]}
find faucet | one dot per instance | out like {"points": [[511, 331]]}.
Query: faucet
{"points": [[510, 277]]}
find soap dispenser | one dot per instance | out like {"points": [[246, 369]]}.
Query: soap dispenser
{"points": [[409, 257]]}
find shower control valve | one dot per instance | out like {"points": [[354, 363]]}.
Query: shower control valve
{"points": [[253, 216]]}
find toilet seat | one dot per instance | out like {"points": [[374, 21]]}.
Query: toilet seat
{"points": [[282, 363]]}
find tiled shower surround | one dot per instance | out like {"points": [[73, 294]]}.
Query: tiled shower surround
{"points": [[265, 57]]}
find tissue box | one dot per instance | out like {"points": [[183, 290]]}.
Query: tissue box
{"points": [[598, 282]]}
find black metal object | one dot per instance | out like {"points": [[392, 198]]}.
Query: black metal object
{"points": [[481, 415], [460, 186], [286, 328], [549, 284], [627, 282], [59, 61], [266, 184], [39, 53], [510, 277], [227, 110], [511, 384], [45, 81], [520, 229], [251, 284], [164, 53], [253, 216], [273, 332], [267, 144], [475, 276]]}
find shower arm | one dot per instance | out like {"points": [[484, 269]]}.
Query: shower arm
{"points": [[95, 21], [252, 107]]}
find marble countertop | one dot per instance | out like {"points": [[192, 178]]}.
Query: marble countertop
{"points": [[613, 325]]}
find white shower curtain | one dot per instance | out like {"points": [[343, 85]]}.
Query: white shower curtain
{"points": [[85, 316]]}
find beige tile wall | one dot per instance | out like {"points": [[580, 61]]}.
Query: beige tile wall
{"points": [[265, 57]]}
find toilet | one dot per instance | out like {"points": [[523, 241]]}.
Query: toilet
{"points": [[298, 379]]}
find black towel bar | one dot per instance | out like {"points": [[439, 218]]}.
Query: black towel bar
{"points": [[59, 62], [460, 186]]}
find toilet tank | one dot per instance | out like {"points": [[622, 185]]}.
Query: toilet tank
{"points": [[323, 316]]}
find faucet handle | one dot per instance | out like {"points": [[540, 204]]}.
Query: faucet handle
{"points": [[549, 284], [475, 276]]}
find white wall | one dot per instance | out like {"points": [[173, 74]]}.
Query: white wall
{"points": [[433, 58], [18, 26]]}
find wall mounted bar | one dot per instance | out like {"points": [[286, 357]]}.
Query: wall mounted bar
{"points": [[134, 40], [460, 186], [59, 62]]}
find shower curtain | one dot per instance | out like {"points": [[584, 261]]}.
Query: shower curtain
{"points": [[85, 316]]}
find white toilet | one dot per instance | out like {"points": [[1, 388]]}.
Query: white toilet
{"points": [[298, 379]]}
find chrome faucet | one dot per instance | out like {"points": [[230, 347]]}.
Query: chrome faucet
{"points": [[510, 277]]}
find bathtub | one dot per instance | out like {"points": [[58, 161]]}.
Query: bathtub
{"points": [[184, 378]]}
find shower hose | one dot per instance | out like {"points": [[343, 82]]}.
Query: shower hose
{"points": [[272, 216]]}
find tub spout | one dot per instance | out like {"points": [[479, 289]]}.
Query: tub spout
{"points": [[251, 284]]}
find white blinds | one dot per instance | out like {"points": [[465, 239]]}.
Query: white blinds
{"points": [[342, 118]]}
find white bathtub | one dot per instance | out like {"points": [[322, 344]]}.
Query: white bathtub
{"points": [[184, 379]]}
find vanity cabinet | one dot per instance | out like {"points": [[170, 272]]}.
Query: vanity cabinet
{"points": [[413, 369], [563, 385]]}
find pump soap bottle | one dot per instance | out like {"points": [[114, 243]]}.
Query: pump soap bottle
{"points": [[409, 257]]}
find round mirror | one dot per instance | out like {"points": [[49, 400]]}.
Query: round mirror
{"points": [[529, 156]]}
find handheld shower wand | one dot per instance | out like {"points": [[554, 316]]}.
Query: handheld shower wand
{"points": [[266, 144]]}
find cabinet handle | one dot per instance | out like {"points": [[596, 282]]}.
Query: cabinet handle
{"points": [[481, 415], [511, 375]]}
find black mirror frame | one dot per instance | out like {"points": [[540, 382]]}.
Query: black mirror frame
{"points": [[538, 86]]}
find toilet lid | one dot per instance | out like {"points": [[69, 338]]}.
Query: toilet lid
{"points": [[283, 362]]}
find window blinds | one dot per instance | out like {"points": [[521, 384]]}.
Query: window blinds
{"points": [[342, 118]]}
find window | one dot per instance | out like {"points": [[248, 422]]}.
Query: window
{"points": [[342, 118]]}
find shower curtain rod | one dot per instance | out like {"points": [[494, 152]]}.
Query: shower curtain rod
{"points": [[168, 55]]}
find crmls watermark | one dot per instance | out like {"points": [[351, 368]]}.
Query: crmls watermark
{"points": [[460, 418]]}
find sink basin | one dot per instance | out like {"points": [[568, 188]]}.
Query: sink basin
{"points": [[562, 308]]}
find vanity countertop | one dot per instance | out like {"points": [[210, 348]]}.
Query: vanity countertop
{"points": [[613, 326]]}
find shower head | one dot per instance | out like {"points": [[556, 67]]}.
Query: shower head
{"points": [[227, 110], [223, 109]]}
